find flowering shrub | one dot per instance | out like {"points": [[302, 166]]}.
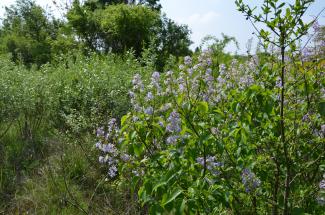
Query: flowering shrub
{"points": [[247, 138], [206, 141]]}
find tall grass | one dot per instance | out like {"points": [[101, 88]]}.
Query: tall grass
{"points": [[46, 116]]}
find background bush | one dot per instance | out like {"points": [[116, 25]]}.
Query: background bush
{"points": [[72, 97]]}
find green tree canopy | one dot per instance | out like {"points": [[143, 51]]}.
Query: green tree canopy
{"points": [[126, 27], [114, 28], [109, 26], [96, 4], [27, 33], [32, 36], [172, 39]]}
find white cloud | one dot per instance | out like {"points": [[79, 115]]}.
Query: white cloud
{"points": [[198, 19]]}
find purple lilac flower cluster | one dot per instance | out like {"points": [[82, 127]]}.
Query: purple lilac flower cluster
{"points": [[249, 180], [187, 60], [322, 184], [211, 164], [174, 122], [238, 75], [306, 118], [193, 82], [174, 127], [321, 197], [155, 83], [107, 139], [138, 87], [137, 83], [309, 53], [320, 132]]}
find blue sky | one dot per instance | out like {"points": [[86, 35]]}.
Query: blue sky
{"points": [[220, 16], [208, 17]]}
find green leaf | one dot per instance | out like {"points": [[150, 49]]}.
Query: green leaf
{"points": [[171, 196], [203, 107], [138, 149], [160, 184], [298, 211], [124, 118], [243, 136], [133, 135], [134, 182], [182, 207], [288, 12], [143, 195], [179, 99], [321, 108]]}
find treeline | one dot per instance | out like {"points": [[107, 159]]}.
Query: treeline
{"points": [[33, 36]]}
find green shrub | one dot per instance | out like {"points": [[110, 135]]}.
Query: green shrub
{"points": [[71, 97], [208, 141]]}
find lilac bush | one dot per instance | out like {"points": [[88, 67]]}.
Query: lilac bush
{"points": [[246, 137], [197, 134]]}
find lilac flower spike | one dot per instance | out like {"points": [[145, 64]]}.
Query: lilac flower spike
{"points": [[149, 110], [211, 164], [137, 83], [149, 96], [322, 183], [187, 60], [172, 139], [100, 132], [250, 181], [174, 122], [112, 171], [155, 77]]}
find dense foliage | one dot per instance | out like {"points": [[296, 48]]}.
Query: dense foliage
{"points": [[247, 138], [102, 132], [207, 141], [116, 28], [71, 98], [119, 27], [34, 37], [27, 33]]}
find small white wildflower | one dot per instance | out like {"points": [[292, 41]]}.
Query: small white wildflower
{"points": [[101, 159]]}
